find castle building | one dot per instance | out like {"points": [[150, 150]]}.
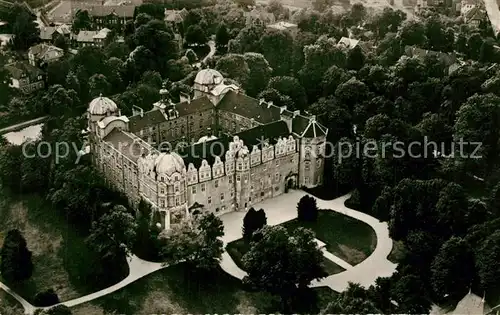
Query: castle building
{"points": [[221, 151]]}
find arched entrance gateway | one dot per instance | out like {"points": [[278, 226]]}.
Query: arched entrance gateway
{"points": [[291, 181]]}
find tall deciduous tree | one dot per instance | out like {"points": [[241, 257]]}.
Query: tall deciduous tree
{"points": [[253, 221], [15, 264], [25, 30], [197, 242], [307, 210], [260, 73], [279, 262], [81, 21], [487, 261], [113, 235], [453, 269], [291, 87], [234, 66], [222, 38]]}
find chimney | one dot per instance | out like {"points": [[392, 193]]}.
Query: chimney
{"points": [[262, 101], [185, 97], [296, 113], [269, 104], [312, 118], [282, 109]]}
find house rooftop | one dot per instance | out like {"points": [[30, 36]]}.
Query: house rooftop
{"points": [[21, 69]]}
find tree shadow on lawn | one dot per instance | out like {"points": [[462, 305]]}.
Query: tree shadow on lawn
{"points": [[178, 289], [62, 261]]}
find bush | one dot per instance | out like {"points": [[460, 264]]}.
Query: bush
{"points": [[307, 210], [46, 298]]}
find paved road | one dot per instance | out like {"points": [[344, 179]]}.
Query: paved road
{"points": [[283, 208], [210, 54]]}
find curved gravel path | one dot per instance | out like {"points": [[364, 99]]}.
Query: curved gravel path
{"points": [[283, 208]]}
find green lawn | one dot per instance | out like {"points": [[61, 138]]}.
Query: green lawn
{"points": [[61, 258], [239, 248], [346, 238], [177, 290]]}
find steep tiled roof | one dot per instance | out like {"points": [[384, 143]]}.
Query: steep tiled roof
{"points": [[119, 10], [128, 145], [86, 36], [246, 106], [46, 32], [307, 127], [40, 50], [149, 119], [471, 304], [411, 51], [194, 106], [18, 69], [269, 132]]}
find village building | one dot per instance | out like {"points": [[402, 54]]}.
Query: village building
{"points": [[284, 26], [25, 77], [91, 38], [42, 54], [112, 17], [221, 151], [49, 33], [259, 16]]}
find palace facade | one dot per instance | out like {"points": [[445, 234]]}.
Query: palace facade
{"points": [[221, 151]]}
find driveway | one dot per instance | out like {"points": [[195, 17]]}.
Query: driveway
{"points": [[284, 208]]}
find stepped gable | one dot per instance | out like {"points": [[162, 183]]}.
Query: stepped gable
{"points": [[149, 119], [130, 146], [209, 150], [194, 106], [249, 107]]}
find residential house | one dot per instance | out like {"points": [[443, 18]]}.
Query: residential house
{"points": [[450, 60], [5, 39], [175, 18], [113, 16], [475, 16], [259, 16], [92, 38], [350, 43], [466, 6], [42, 54], [284, 26], [49, 33], [25, 77]]}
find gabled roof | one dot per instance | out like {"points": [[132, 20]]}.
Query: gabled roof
{"points": [[148, 119], [40, 51], [86, 36], [47, 32], [412, 51], [249, 107], [308, 127], [471, 304], [130, 146], [20, 69], [119, 10], [475, 13], [349, 43], [194, 106]]}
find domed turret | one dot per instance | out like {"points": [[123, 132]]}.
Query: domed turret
{"points": [[102, 106], [169, 163], [209, 77]]}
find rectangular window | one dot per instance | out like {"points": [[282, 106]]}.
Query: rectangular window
{"points": [[238, 178], [232, 194], [193, 190], [277, 177], [307, 166], [277, 162], [307, 180], [216, 183], [162, 190], [176, 188], [230, 180], [222, 197], [203, 187], [209, 200]]}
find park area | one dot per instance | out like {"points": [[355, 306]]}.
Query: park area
{"points": [[349, 239], [62, 261], [178, 290]]}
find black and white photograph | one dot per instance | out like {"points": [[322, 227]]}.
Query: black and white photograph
{"points": [[163, 157]]}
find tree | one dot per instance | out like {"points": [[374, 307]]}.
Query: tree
{"points": [[253, 221], [99, 85], [452, 210], [409, 292], [307, 210], [247, 40], [25, 31], [57, 310], [142, 19], [274, 45], [291, 87], [259, 75], [279, 262], [487, 261], [332, 78], [352, 92], [222, 38], [15, 264], [81, 21], [387, 21], [5, 81], [155, 10], [355, 59], [113, 234], [322, 5], [234, 66], [278, 99], [195, 35], [474, 43], [453, 269], [494, 199], [354, 300], [197, 242], [413, 33], [46, 298], [61, 41]]}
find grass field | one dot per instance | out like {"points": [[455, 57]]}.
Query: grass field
{"points": [[177, 290], [60, 256], [346, 238], [239, 248]]}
